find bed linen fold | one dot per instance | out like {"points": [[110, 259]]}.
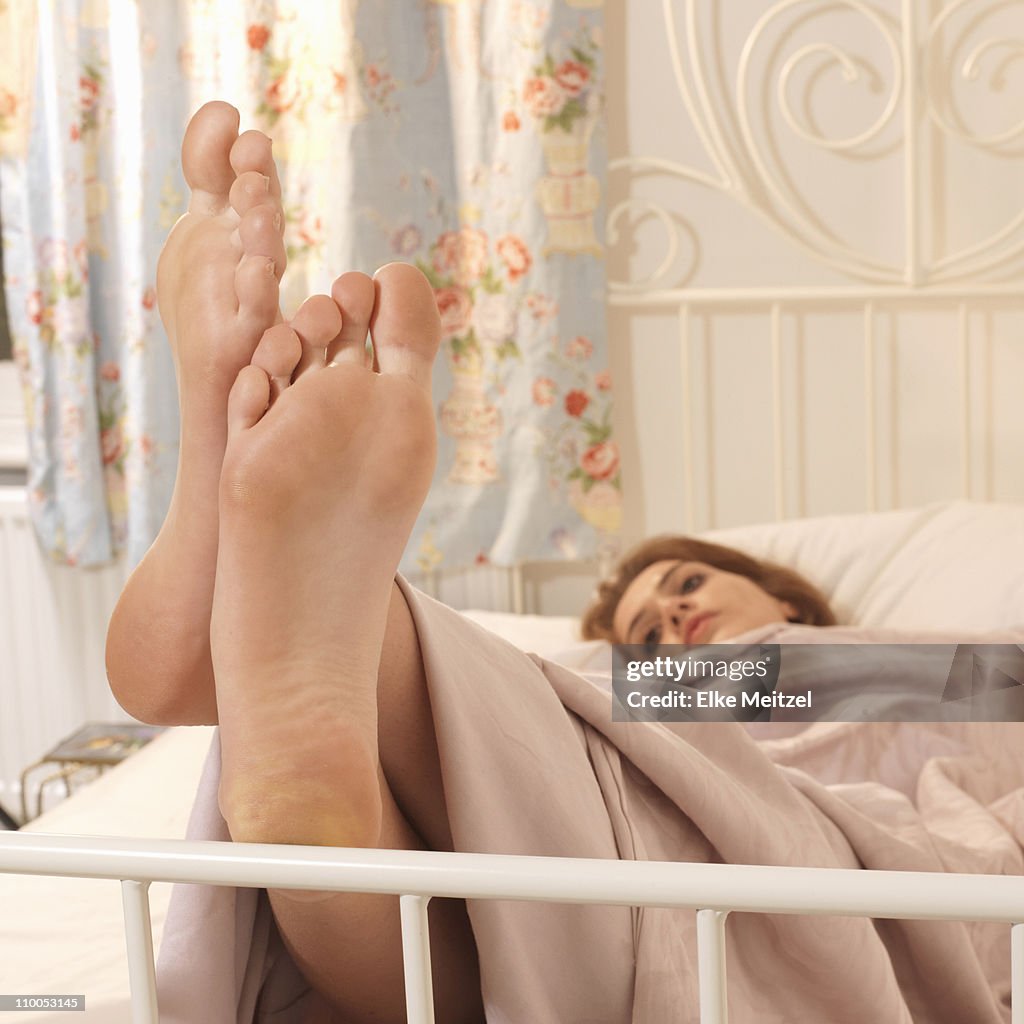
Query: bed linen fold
{"points": [[532, 764]]}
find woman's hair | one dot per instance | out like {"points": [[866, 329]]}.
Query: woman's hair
{"points": [[783, 584]]}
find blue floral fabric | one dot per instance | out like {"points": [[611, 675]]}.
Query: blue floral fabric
{"points": [[465, 138]]}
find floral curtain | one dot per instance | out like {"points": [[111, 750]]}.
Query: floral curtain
{"points": [[461, 136]]}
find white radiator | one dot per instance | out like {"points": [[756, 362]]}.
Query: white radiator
{"points": [[53, 624]]}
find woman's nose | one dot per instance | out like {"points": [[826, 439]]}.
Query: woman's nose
{"points": [[674, 610]]}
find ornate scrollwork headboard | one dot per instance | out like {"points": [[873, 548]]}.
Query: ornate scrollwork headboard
{"points": [[818, 172]]}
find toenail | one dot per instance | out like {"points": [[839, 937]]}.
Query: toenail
{"points": [[277, 221], [271, 266], [266, 182]]}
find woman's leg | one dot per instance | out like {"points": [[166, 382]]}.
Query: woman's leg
{"points": [[326, 734], [217, 285]]}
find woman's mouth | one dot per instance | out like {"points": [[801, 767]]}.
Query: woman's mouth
{"points": [[697, 628]]}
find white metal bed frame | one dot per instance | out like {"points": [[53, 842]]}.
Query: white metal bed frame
{"points": [[713, 890]]}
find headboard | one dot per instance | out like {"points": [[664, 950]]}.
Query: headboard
{"points": [[816, 232]]}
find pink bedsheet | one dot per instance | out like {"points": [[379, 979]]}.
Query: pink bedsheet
{"points": [[532, 764]]}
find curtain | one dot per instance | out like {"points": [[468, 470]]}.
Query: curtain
{"points": [[462, 136]]}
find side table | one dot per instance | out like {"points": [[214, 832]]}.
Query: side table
{"points": [[92, 749]]}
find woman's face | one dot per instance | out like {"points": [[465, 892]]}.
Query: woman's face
{"points": [[674, 602]]}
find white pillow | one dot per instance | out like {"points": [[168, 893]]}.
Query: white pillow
{"points": [[954, 565]]}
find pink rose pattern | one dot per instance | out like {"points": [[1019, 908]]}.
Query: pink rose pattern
{"points": [[563, 87], [85, 316], [474, 281], [10, 104], [581, 455]]}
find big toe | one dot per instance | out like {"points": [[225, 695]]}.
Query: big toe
{"points": [[405, 326], [205, 155]]}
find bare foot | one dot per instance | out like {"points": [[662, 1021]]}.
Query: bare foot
{"points": [[217, 286], [327, 465]]}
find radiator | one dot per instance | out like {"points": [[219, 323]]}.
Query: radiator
{"points": [[53, 624]]}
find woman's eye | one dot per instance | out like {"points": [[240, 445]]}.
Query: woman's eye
{"points": [[691, 583], [651, 637]]}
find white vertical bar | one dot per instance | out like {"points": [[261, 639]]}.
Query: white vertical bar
{"points": [[870, 409], [800, 412], [419, 989], [965, 397], [714, 1008], [709, 427], [988, 404], [777, 435], [1017, 974], [518, 594], [138, 932], [911, 175], [689, 498], [894, 412]]}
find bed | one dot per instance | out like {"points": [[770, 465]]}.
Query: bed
{"points": [[910, 568]]}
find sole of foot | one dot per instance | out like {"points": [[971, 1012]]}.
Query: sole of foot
{"points": [[219, 272], [328, 462]]}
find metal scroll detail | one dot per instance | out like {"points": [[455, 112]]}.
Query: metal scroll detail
{"points": [[846, 80]]}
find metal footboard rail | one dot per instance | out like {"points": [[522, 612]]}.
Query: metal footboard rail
{"points": [[713, 890]]}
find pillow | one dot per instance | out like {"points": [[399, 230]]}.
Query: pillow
{"points": [[953, 565]]}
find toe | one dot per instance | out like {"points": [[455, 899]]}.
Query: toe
{"points": [[354, 294], [317, 323], [251, 189], [205, 159], [256, 285], [258, 276], [248, 399], [405, 325], [260, 232], [278, 353], [253, 151]]}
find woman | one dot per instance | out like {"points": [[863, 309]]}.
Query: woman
{"points": [[354, 712]]}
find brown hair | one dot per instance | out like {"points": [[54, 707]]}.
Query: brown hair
{"points": [[783, 584]]}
